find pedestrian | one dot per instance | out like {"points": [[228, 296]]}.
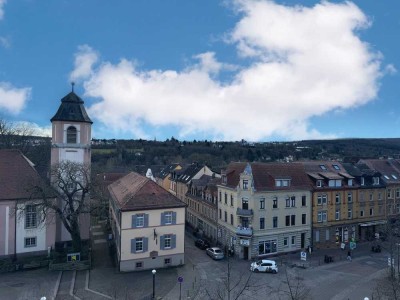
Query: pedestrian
{"points": [[349, 255]]}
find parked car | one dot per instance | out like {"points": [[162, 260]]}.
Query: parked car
{"points": [[202, 244], [215, 253], [267, 266]]}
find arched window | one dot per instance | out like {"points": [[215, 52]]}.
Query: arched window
{"points": [[71, 135]]}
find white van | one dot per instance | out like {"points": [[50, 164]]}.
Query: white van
{"points": [[265, 265]]}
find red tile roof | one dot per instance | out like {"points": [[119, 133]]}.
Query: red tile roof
{"points": [[17, 175], [136, 192]]}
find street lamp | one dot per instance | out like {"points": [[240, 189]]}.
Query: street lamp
{"points": [[154, 283]]}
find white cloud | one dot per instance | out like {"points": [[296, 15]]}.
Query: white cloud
{"points": [[85, 58], [36, 129], [13, 99], [2, 3], [306, 62]]}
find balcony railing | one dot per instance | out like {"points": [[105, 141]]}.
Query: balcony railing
{"points": [[244, 212], [244, 231]]}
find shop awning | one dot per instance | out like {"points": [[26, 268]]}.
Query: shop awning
{"points": [[372, 223]]}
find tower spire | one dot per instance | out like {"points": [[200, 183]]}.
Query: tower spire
{"points": [[72, 86]]}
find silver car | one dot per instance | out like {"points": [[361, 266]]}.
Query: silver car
{"points": [[215, 253]]}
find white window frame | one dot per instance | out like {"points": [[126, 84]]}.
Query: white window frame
{"points": [[139, 245], [262, 203], [167, 241], [31, 216], [30, 242], [139, 220], [337, 215], [168, 218]]}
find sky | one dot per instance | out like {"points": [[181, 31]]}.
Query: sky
{"points": [[206, 70]]}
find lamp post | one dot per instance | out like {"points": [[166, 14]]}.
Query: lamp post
{"points": [[154, 283]]}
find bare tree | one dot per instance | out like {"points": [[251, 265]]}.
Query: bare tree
{"points": [[293, 287], [66, 196], [387, 287]]}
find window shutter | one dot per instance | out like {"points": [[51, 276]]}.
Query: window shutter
{"points": [[174, 217], [133, 246], [162, 242], [173, 241], [146, 220], [133, 221], [162, 219], [145, 244]]}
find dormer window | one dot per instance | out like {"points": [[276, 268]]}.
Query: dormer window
{"points": [[282, 182], [223, 179], [362, 181], [333, 183], [245, 184], [376, 180], [71, 135], [350, 182], [319, 183]]}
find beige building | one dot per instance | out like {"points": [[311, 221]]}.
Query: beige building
{"points": [[163, 178], [264, 209], [148, 224]]}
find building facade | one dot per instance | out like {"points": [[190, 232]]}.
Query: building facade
{"points": [[148, 224], [264, 209]]}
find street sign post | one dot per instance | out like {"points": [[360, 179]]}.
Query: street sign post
{"points": [[180, 280], [303, 255]]}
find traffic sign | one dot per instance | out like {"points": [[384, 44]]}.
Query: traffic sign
{"points": [[180, 279], [303, 255]]}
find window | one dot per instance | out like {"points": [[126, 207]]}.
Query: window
{"points": [[323, 167], [350, 182], [303, 219], [290, 220], [275, 202], [375, 180], [245, 184], [287, 218], [285, 241], [30, 216], [262, 203], [337, 214], [336, 167], [139, 265], [231, 200], [333, 183], [262, 223], [245, 203], [397, 193], [394, 177], [337, 198], [322, 199], [71, 135], [349, 197], [168, 218], [167, 241], [226, 198], [220, 196], [226, 216], [220, 214], [167, 261], [362, 196], [389, 193], [223, 177], [275, 222], [293, 201], [140, 220], [231, 219], [350, 214], [362, 181], [139, 245], [30, 242], [319, 183], [371, 211], [361, 213], [293, 220], [293, 240], [288, 202], [282, 182], [321, 216], [379, 196], [303, 200], [265, 247]]}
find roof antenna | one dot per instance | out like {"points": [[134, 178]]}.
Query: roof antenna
{"points": [[72, 85]]}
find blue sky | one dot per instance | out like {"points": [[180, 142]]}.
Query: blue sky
{"points": [[216, 70]]}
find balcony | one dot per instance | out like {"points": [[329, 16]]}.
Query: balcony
{"points": [[245, 231], [244, 212]]}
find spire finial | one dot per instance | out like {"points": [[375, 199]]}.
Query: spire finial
{"points": [[72, 85]]}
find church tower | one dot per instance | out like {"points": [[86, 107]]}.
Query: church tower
{"points": [[71, 137], [71, 131]]}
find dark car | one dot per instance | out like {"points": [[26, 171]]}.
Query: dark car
{"points": [[202, 244]]}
